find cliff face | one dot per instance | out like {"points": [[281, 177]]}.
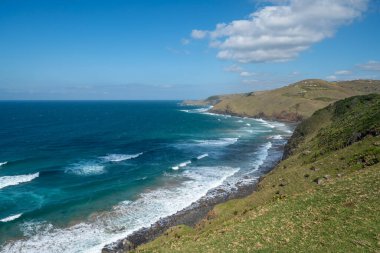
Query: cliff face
{"points": [[294, 102], [324, 195]]}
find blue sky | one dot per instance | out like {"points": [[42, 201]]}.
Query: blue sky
{"points": [[177, 49]]}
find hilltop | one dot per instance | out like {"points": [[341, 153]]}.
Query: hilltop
{"points": [[290, 103], [324, 195]]}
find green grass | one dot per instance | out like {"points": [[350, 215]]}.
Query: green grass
{"points": [[293, 102], [290, 212]]}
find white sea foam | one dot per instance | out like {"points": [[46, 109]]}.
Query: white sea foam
{"points": [[278, 125], [181, 165], [15, 180], [282, 127], [184, 164], [248, 124], [219, 142], [276, 137], [197, 110], [122, 220], [85, 169], [120, 157], [11, 218], [265, 123], [262, 154], [212, 114], [3, 163], [202, 156], [247, 177], [240, 121]]}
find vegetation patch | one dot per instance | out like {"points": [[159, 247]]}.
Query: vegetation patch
{"points": [[324, 197]]}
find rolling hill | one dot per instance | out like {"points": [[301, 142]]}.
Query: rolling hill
{"points": [[290, 103]]}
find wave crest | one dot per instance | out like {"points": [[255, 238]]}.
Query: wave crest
{"points": [[15, 180], [202, 156], [120, 157], [219, 142], [181, 165], [11, 218]]}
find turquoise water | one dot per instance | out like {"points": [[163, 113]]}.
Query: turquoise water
{"points": [[77, 175]]}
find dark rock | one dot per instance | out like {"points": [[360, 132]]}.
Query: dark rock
{"points": [[221, 191], [306, 175], [319, 180], [361, 135], [119, 247]]}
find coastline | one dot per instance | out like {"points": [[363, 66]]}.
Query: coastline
{"points": [[199, 210], [283, 117]]}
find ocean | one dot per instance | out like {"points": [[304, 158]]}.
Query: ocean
{"points": [[75, 176]]}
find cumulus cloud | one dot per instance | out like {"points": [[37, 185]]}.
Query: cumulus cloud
{"points": [[370, 66], [198, 34], [281, 31]]}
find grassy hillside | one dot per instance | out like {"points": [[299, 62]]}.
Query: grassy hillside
{"points": [[325, 196], [293, 102]]}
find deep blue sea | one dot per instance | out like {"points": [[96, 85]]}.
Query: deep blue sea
{"points": [[77, 175]]}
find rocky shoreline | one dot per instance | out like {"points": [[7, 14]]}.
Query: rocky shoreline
{"points": [[193, 214]]}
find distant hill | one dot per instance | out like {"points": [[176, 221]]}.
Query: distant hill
{"points": [[290, 103], [323, 197]]}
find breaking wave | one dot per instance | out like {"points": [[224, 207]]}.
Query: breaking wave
{"points": [[11, 218], [120, 157], [15, 180], [123, 219]]}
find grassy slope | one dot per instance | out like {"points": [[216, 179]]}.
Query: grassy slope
{"points": [[296, 101], [340, 146]]}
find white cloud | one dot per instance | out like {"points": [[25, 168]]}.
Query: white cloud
{"points": [[280, 32], [370, 66], [246, 74], [343, 72], [198, 34]]}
